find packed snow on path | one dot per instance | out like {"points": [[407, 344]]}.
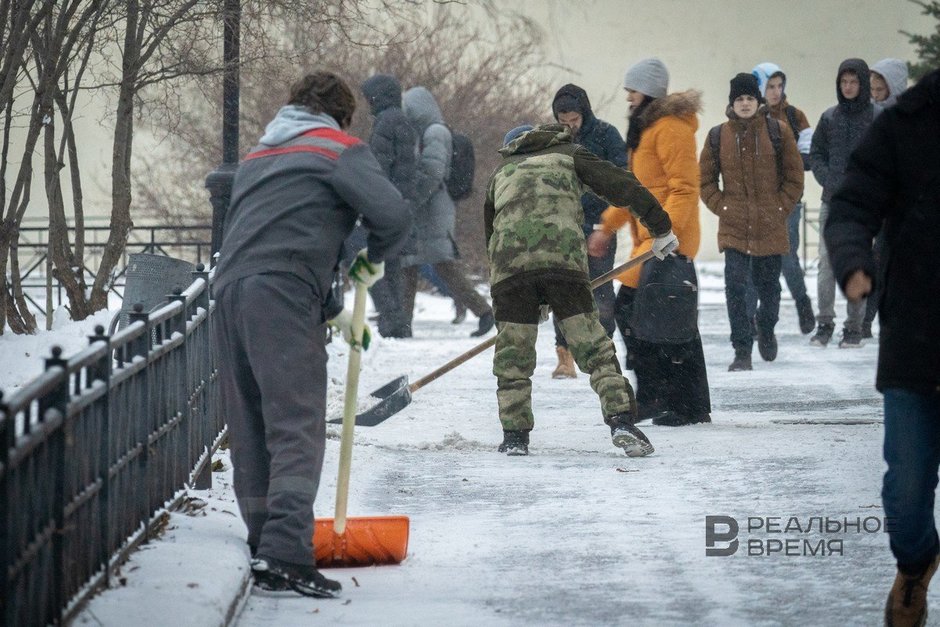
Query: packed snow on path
{"points": [[576, 533]]}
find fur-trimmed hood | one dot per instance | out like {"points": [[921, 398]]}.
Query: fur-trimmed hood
{"points": [[681, 104]]}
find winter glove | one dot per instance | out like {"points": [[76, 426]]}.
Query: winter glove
{"points": [[365, 272], [544, 312], [343, 324], [665, 244]]}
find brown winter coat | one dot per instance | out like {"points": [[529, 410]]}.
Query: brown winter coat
{"points": [[779, 111], [664, 162], [752, 203]]}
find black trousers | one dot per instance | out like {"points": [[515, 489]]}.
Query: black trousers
{"points": [[669, 377]]}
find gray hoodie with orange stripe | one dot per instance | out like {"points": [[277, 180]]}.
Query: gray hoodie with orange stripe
{"points": [[297, 196]]}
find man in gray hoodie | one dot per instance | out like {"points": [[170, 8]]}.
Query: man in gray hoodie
{"points": [[295, 198]]}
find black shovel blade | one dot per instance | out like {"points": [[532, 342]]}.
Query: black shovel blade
{"points": [[395, 396]]}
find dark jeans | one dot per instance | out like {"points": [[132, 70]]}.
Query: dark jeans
{"points": [[912, 451], [764, 273], [603, 295], [790, 266], [669, 377]]}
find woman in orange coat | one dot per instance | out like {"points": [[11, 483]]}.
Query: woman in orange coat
{"points": [[672, 384]]}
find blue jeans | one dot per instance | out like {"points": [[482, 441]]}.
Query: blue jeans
{"points": [[912, 450], [790, 266]]}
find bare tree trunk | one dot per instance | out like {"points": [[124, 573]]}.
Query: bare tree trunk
{"points": [[121, 222], [26, 318], [67, 272]]}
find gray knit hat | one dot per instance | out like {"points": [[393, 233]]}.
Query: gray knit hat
{"points": [[649, 77]]}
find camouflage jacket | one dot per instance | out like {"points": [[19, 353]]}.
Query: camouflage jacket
{"points": [[532, 213]]}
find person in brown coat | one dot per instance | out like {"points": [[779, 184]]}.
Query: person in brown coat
{"points": [[761, 181]]}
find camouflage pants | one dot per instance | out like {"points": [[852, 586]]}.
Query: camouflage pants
{"points": [[593, 351]]}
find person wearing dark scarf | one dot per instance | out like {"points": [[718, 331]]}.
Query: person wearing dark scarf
{"points": [[672, 383]]}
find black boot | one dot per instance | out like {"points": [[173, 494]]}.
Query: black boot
{"points": [[742, 361], [515, 443], [486, 323], [672, 419], [804, 312], [767, 345], [625, 435]]}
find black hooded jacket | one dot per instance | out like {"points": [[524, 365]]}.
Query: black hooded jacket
{"points": [[893, 177], [599, 137], [840, 128], [393, 140]]}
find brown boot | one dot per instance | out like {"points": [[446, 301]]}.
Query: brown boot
{"points": [[565, 368], [907, 601]]}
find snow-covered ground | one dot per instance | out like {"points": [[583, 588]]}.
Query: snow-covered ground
{"points": [[576, 533]]}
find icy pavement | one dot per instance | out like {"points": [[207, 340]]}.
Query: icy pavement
{"points": [[576, 533]]}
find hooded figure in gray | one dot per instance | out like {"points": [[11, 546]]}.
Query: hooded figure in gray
{"points": [[435, 217], [894, 73]]}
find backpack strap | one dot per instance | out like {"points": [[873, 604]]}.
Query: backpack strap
{"points": [[792, 121], [773, 129], [714, 144]]}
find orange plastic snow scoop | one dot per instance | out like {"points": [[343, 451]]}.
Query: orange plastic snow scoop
{"points": [[360, 541]]}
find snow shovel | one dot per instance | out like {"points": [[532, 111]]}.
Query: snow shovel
{"points": [[396, 395], [360, 541]]}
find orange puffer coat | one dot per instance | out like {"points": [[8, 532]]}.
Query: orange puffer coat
{"points": [[665, 163]]}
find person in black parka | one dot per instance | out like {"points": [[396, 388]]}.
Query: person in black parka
{"points": [[893, 178], [393, 142]]}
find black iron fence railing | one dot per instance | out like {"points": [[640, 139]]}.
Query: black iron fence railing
{"points": [[190, 242], [97, 448]]}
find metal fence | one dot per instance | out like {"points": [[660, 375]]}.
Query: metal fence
{"points": [[188, 242], [97, 448]]}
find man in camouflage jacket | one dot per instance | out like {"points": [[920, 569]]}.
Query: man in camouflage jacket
{"points": [[537, 256]]}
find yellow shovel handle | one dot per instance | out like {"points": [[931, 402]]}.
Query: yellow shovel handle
{"points": [[349, 409]]}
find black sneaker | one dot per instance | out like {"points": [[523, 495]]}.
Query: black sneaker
{"points": [[486, 323], [271, 576], [742, 361], [626, 436], [851, 339], [672, 419], [804, 313], [767, 345], [866, 331], [515, 443], [824, 333]]}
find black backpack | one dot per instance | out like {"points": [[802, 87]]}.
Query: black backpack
{"points": [[665, 308], [773, 130], [462, 167]]}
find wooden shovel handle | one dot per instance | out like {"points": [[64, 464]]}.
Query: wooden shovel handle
{"points": [[479, 348]]}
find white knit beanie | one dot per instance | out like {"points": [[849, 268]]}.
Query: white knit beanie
{"points": [[649, 77]]}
